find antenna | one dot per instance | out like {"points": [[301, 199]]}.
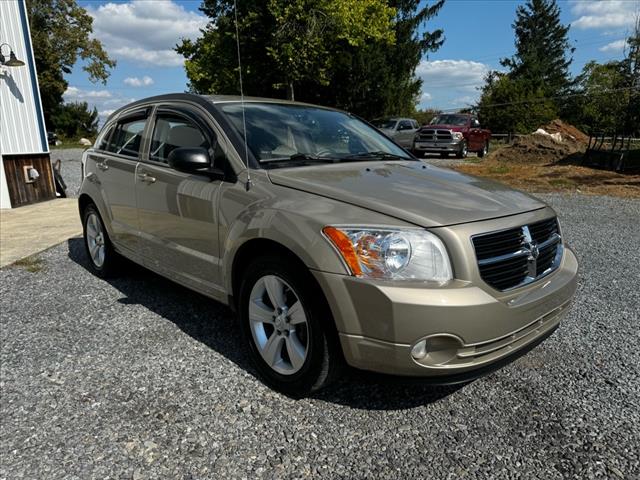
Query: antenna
{"points": [[244, 121]]}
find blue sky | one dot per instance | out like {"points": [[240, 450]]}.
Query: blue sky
{"points": [[140, 35]]}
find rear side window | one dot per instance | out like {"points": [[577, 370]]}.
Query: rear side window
{"points": [[104, 138], [127, 137], [173, 131]]}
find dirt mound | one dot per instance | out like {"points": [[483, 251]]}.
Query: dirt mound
{"points": [[566, 130], [542, 148]]}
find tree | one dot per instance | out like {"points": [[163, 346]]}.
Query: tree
{"points": [[513, 105], [543, 52], [359, 55], [602, 99], [377, 80], [632, 73], [282, 42], [75, 120], [60, 33]]}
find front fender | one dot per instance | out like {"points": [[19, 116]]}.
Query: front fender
{"points": [[291, 218]]}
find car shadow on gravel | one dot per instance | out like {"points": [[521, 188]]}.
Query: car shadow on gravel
{"points": [[214, 325]]}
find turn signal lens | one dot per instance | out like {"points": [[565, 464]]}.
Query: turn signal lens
{"points": [[344, 246]]}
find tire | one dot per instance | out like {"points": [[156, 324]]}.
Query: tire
{"points": [[308, 333], [485, 150], [104, 261], [462, 153]]}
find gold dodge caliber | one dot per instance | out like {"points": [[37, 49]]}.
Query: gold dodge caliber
{"points": [[330, 241]]}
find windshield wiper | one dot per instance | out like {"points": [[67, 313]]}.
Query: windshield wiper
{"points": [[300, 158], [375, 155]]}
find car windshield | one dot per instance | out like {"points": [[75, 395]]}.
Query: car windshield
{"points": [[458, 120], [385, 123], [281, 132]]}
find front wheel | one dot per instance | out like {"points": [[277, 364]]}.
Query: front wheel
{"points": [[287, 327], [462, 153], [485, 149]]}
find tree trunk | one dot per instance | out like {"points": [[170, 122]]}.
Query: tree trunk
{"points": [[290, 91]]}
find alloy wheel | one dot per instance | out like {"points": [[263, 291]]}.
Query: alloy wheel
{"points": [[95, 239], [279, 325]]}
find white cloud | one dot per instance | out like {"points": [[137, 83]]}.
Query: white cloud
{"points": [[139, 82], [446, 78], [74, 94], [459, 74], [103, 100], [604, 13], [616, 46], [145, 31]]}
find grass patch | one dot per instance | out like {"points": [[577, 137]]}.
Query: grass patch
{"points": [[562, 182], [66, 145], [33, 264], [499, 169]]}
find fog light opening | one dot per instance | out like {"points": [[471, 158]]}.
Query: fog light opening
{"points": [[419, 350]]}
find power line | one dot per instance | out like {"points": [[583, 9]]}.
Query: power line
{"points": [[542, 99]]}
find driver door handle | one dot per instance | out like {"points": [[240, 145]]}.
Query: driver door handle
{"points": [[146, 178], [102, 166]]}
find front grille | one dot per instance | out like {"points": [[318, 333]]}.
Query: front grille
{"points": [[432, 135], [517, 256]]}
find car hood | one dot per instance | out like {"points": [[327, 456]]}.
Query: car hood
{"points": [[411, 191], [455, 128]]}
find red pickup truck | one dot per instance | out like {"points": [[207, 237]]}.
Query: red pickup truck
{"points": [[458, 133]]}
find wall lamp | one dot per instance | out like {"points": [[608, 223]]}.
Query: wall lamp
{"points": [[12, 61]]}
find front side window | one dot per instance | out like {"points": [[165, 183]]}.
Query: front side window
{"points": [[405, 125], [173, 131], [127, 138], [103, 140], [277, 132]]}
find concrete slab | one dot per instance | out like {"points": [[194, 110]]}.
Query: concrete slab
{"points": [[33, 228]]}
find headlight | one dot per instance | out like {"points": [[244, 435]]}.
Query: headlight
{"points": [[397, 254], [458, 136]]}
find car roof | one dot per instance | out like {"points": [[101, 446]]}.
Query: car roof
{"points": [[215, 100]]}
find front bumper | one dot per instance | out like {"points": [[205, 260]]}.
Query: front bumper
{"points": [[466, 328], [434, 147]]}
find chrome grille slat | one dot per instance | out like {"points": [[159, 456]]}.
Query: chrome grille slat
{"points": [[517, 256]]}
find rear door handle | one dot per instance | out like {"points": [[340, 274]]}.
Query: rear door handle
{"points": [[146, 178]]}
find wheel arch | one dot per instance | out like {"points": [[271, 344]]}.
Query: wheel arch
{"points": [[252, 249]]}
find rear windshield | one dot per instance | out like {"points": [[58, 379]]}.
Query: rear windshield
{"points": [[279, 131]]}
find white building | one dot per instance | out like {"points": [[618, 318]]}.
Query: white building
{"points": [[25, 169]]}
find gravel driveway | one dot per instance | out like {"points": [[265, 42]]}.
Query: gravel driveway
{"points": [[140, 378], [71, 168]]}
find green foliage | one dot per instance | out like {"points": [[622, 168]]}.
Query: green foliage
{"points": [[423, 117], [513, 105], [632, 73], [307, 30], [543, 52], [607, 96], [75, 120], [602, 102], [60, 32], [359, 55]]}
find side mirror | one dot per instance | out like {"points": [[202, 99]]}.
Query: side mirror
{"points": [[193, 160]]}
